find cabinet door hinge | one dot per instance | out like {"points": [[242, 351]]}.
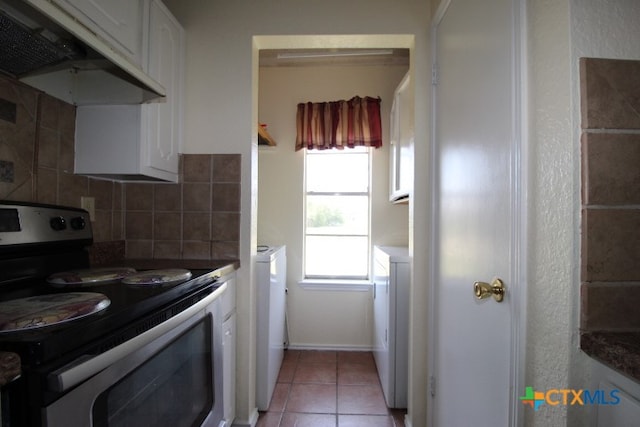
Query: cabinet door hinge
{"points": [[432, 385], [434, 75]]}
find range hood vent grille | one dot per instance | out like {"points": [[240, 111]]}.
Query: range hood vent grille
{"points": [[48, 49], [23, 50]]}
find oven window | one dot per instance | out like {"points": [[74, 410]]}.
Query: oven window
{"points": [[174, 388]]}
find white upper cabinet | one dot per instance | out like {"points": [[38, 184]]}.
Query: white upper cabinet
{"points": [[166, 65], [139, 142], [119, 22], [401, 142]]}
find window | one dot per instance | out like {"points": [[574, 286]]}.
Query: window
{"points": [[337, 214]]}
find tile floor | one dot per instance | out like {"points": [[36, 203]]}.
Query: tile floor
{"points": [[329, 389]]}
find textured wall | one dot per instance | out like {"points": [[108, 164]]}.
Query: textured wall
{"points": [[551, 200], [559, 33], [599, 30]]}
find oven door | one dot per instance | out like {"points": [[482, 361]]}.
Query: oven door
{"points": [[169, 376]]}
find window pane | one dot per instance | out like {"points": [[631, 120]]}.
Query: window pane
{"points": [[336, 256], [337, 215], [343, 172]]}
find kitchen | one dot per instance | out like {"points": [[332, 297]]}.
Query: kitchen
{"points": [[222, 65]]}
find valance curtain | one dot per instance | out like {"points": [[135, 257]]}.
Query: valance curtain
{"points": [[339, 124]]}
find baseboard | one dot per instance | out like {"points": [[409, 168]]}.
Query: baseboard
{"points": [[407, 421], [328, 347], [253, 420]]}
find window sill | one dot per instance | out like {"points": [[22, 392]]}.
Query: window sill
{"points": [[336, 285]]}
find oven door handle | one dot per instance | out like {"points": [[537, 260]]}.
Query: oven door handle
{"points": [[87, 366]]}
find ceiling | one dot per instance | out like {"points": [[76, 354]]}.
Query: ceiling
{"points": [[315, 57]]}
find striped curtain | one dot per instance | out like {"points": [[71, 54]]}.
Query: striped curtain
{"points": [[339, 124]]}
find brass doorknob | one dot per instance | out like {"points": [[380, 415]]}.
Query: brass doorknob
{"points": [[485, 290]]}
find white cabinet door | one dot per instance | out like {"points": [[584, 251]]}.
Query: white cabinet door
{"points": [[107, 140], [228, 313], [228, 304], [163, 142], [229, 369], [130, 142], [401, 142], [119, 22]]}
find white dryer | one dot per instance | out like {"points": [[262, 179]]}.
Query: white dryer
{"points": [[271, 278], [391, 322]]}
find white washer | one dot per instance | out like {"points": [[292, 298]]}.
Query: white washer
{"points": [[391, 322], [271, 277]]}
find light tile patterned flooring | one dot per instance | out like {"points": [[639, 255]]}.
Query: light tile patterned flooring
{"points": [[329, 389]]}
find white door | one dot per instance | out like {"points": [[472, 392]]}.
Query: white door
{"points": [[477, 218]]}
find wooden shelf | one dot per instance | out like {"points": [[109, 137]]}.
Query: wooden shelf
{"points": [[264, 138]]}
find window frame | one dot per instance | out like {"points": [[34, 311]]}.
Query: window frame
{"points": [[336, 281]]}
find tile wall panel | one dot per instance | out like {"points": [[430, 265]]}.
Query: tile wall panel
{"points": [[196, 169], [611, 245], [609, 93], [606, 306], [611, 168], [610, 231], [197, 218], [39, 143]]}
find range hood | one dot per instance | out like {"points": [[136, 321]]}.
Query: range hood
{"points": [[49, 50]]}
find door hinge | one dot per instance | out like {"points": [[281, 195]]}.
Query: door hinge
{"points": [[432, 385], [434, 75]]}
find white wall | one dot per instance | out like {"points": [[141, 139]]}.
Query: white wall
{"points": [[221, 114], [551, 207], [344, 316]]}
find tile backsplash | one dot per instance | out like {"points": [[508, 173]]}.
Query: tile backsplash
{"points": [[36, 149], [610, 153], [196, 218], [199, 218]]}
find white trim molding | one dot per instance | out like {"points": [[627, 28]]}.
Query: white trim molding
{"points": [[336, 285]]}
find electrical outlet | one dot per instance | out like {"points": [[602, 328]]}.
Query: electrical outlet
{"points": [[89, 205]]}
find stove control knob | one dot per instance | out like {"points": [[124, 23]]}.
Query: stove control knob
{"points": [[78, 223], [58, 223]]}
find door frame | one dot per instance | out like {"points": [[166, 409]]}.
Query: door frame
{"points": [[520, 180]]}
